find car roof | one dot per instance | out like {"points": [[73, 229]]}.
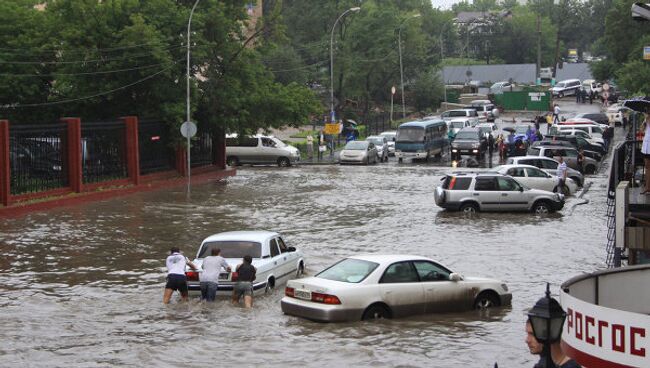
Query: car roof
{"points": [[557, 147], [386, 258], [529, 157], [459, 110], [252, 235], [578, 121], [375, 137], [509, 166], [469, 129], [422, 123], [391, 132]]}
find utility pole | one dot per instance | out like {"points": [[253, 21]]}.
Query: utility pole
{"points": [[539, 43]]}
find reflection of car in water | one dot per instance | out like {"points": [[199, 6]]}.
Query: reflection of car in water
{"points": [[420, 139]]}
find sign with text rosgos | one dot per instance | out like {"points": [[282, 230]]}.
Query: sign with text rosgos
{"points": [[646, 53], [332, 129], [597, 336]]}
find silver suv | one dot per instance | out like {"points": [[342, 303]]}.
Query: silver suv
{"points": [[472, 192]]}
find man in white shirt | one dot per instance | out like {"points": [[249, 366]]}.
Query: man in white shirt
{"points": [[556, 114], [209, 278], [561, 176], [176, 279]]}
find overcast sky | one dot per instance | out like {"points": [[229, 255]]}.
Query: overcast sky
{"points": [[444, 4]]}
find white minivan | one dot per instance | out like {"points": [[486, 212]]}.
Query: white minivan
{"points": [[260, 150], [566, 88]]}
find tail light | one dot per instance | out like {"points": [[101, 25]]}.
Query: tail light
{"points": [[288, 291], [324, 298], [192, 276], [234, 276]]}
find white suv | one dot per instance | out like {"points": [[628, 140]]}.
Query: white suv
{"points": [[566, 88]]}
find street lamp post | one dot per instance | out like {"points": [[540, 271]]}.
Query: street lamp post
{"points": [[401, 68], [547, 319], [332, 115], [189, 24], [442, 57]]}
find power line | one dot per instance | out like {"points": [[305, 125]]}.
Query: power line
{"points": [[88, 97], [25, 50], [87, 73]]}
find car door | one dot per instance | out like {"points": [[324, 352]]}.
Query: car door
{"points": [[276, 259], [251, 150], [519, 173], [440, 294], [402, 290], [287, 259], [539, 179], [269, 152], [486, 194], [511, 194]]}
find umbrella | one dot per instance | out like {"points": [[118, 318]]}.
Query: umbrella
{"points": [[352, 122], [509, 129], [640, 104]]}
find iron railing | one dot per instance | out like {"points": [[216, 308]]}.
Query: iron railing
{"points": [[103, 151], [156, 153], [201, 149], [37, 156]]}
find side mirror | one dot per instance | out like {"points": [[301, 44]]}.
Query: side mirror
{"points": [[495, 113], [455, 277], [291, 249]]}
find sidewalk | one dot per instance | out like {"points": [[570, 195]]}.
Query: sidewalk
{"points": [[328, 159]]}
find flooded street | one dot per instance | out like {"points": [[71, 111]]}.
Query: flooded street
{"points": [[82, 286]]}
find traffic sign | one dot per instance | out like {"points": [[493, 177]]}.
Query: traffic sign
{"points": [[332, 129], [646, 53], [392, 90], [188, 129]]}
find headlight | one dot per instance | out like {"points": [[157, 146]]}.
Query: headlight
{"points": [[475, 145]]}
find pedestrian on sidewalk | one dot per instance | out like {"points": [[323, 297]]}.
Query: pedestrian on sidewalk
{"points": [[561, 176], [556, 116], [310, 146], [321, 145], [591, 97]]}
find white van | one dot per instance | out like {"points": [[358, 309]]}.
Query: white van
{"points": [[260, 150], [566, 88], [591, 85]]}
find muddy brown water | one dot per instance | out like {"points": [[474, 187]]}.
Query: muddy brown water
{"points": [[82, 286]]}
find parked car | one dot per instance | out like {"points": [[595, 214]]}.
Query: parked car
{"points": [[591, 85], [500, 87], [260, 150], [488, 128], [381, 144], [616, 114], [367, 287], [597, 141], [469, 114], [569, 155], [36, 157], [536, 178], [274, 260], [469, 141], [390, 137], [578, 142], [546, 73], [359, 152], [558, 141], [547, 164], [575, 122], [487, 111], [472, 192], [566, 88], [455, 125], [599, 117]]}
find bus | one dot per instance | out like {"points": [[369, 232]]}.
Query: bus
{"points": [[420, 139]]}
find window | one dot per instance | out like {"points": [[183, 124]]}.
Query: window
{"points": [[508, 184], [283, 247], [536, 173], [517, 172], [268, 142], [399, 273], [571, 153], [232, 249], [458, 183], [485, 184], [428, 271], [274, 248], [349, 270], [548, 153], [241, 142], [549, 164]]}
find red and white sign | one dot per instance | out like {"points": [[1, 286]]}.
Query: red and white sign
{"points": [[596, 336]]}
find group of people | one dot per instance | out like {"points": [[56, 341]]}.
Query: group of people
{"points": [[582, 95], [211, 267]]}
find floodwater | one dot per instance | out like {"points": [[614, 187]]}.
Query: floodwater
{"points": [[82, 286]]}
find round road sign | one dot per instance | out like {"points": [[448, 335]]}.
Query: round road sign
{"points": [[188, 129]]}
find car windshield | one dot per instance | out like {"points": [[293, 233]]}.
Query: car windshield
{"points": [[467, 135], [349, 270], [278, 142], [522, 129], [232, 249], [356, 145], [410, 134], [457, 113], [389, 136], [377, 141], [560, 85], [457, 124]]}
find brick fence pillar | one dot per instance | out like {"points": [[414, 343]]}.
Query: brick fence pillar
{"points": [[5, 165], [132, 149], [75, 168], [181, 160]]}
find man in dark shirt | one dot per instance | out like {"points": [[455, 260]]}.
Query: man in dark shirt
{"points": [[557, 355], [244, 286]]}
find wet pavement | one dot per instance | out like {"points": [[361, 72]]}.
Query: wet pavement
{"points": [[82, 286]]}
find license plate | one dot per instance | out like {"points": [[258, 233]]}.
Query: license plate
{"points": [[302, 294], [224, 276]]}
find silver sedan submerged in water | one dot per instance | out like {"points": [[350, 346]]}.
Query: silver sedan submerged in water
{"points": [[388, 286], [359, 152]]}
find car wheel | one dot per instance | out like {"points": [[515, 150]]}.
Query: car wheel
{"points": [[469, 208], [270, 285], [284, 162], [400, 160], [301, 270], [566, 191], [541, 207], [232, 161], [365, 161], [590, 169], [376, 311], [486, 300], [560, 95]]}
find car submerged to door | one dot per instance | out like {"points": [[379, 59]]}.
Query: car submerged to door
{"points": [[275, 261], [368, 287]]}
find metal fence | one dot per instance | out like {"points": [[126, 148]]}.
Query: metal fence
{"points": [[377, 123], [37, 158], [103, 151], [156, 153], [201, 149]]}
